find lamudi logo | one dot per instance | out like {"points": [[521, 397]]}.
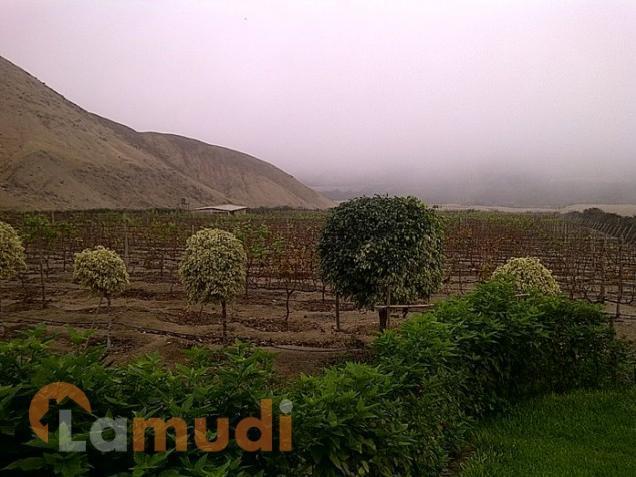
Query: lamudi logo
{"points": [[60, 391]]}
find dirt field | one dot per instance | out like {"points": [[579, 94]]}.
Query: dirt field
{"points": [[149, 317]]}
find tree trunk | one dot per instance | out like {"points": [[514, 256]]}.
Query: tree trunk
{"points": [[287, 310], [110, 323], [383, 313], [337, 312], [224, 319], [42, 282]]}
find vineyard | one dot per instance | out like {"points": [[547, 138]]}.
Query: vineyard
{"points": [[286, 305]]}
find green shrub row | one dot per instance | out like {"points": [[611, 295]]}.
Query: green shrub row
{"points": [[405, 412]]}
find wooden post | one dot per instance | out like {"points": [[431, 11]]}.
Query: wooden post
{"points": [[620, 284], [382, 312]]}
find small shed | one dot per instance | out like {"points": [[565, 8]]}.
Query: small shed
{"points": [[227, 209]]}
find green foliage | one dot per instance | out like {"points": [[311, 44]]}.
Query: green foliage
{"points": [[100, 270], [12, 258], [373, 246], [502, 347], [228, 383], [255, 240], [406, 412], [37, 229], [528, 274], [582, 433], [213, 266]]}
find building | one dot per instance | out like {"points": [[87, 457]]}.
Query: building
{"points": [[227, 209]]}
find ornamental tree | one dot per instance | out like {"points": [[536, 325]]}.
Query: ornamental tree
{"points": [[379, 249], [213, 269], [104, 273], [12, 257], [528, 274]]}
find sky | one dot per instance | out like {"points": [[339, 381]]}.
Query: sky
{"points": [[342, 90]]}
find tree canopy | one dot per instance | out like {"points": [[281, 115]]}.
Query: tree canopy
{"points": [[12, 258], [375, 246], [213, 266], [101, 270], [528, 274]]}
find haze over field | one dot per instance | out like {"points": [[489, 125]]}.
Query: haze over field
{"points": [[491, 102]]}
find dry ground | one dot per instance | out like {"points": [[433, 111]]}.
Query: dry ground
{"points": [[150, 317]]}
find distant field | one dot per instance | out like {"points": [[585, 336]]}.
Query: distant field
{"points": [[620, 209], [152, 314], [580, 434]]}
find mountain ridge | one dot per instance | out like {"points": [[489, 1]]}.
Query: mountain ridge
{"points": [[56, 155]]}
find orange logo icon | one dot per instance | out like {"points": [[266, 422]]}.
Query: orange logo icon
{"points": [[58, 391]]}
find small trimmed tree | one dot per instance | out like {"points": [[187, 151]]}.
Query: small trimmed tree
{"points": [[528, 274], [104, 273], [12, 257], [378, 249], [213, 269]]}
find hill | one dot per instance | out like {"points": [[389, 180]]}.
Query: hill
{"points": [[56, 155]]}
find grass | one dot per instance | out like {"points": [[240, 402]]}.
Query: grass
{"points": [[584, 433]]}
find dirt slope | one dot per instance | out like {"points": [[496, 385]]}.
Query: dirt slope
{"points": [[55, 155]]}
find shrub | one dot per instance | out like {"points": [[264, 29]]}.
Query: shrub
{"points": [[226, 383], [103, 272], [503, 347], [213, 269], [12, 258], [382, 249], [404, 413], [528, 274]]}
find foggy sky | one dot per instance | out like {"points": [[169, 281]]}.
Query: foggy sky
{"points": [[334, 91]]}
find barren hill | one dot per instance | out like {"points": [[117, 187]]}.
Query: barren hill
{"points": [[55, 155]]}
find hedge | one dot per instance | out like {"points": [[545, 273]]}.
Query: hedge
{"points": [[406, 411]]}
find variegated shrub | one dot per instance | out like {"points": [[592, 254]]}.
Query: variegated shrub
{"points": [[12, 258], [528, 274], [213, 268]]}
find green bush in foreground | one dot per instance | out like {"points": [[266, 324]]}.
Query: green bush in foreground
{"points": [[406, 412]]}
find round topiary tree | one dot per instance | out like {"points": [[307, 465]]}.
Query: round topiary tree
{"points": [[375, 250], [528, 274], [12, 258], [103, 272], [213, 269]]}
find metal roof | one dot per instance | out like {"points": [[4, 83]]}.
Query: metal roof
{"points": [[223, 207]]}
